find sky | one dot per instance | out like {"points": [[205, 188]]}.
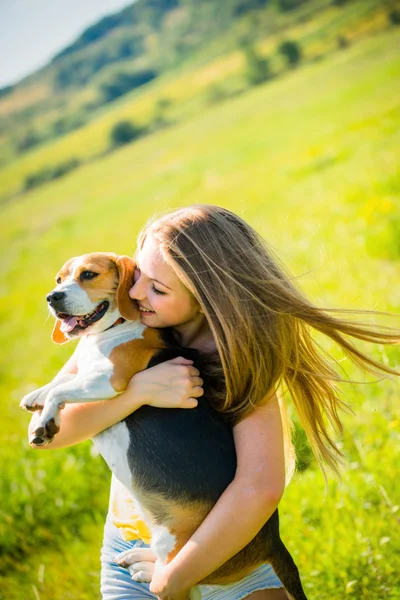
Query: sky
{"points": [[33, 31]]}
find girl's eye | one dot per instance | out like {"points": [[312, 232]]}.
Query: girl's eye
{"points": [[156, 291]]}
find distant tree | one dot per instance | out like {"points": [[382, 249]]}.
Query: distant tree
{"points": [[28, 141], [100, 29], [286, 5], [51, 172], [243, 6], [394, 17], [342, 42], [122, 83], [64, 77], [132, 46], [124, 132], [64, 168], [258, 68], [6, 90], [291, 52]]}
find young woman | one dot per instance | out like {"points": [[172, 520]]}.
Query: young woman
{"points": [[207, 275]]}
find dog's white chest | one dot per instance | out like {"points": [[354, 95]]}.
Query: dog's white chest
{"points": [[95, 350]]}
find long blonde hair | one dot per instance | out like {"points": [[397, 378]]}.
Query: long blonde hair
{"points": [[262, 324]]}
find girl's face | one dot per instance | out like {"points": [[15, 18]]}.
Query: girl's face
{"points": [[163, 299]]}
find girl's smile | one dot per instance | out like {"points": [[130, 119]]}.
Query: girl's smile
{"points": [[162, 298], [145, 312]]}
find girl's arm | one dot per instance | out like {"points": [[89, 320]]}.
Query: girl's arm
{"points": [[172, 384], [248, 502]]}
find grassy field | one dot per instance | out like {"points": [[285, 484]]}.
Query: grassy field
{"points": [[312, 161], [195, 84]]}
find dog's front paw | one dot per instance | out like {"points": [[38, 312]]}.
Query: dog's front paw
{"points": [[33, 401], [44, 433]]}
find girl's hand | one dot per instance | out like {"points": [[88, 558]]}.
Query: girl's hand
{"points": [[162, 587], [175, 383]]}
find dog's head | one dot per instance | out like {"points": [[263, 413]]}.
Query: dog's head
{"points": [[91, 295]]}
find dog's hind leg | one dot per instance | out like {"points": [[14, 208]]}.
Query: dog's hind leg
{"points": [[285, 568]]}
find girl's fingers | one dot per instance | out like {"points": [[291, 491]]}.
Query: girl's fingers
{"points": [[179, 360], [193, 372], [189, 403], [197, 391]]}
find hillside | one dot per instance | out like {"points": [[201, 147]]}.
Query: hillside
{"points": [[153, 41]]}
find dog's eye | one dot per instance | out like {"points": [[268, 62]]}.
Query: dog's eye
{"points": [[58, 280], [87, 275]]}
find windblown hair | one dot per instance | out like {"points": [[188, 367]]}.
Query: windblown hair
{"points": [[262, 324]]}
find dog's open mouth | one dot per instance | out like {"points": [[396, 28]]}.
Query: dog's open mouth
{"points": [[71, 323]]}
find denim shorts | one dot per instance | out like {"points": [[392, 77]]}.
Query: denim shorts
{"points": [[116, 582]]}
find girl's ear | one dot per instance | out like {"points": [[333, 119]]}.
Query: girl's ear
{"points": [[127, 307], [57, 336]]}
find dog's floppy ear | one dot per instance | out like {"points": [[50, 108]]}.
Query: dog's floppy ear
{"points": [[57, 336], [127, 307]]}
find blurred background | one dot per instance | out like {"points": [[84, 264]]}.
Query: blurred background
{"points": [[284, 111]]}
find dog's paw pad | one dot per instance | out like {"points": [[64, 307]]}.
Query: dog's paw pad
{"points": [[32, 408], [39, 431], [41, 440], [37, 441], [52, 428]]}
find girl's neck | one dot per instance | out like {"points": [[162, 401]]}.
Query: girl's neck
{"points": [[196, 334]]}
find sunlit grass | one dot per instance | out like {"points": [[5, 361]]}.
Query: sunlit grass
{"points": [[311, 160]]}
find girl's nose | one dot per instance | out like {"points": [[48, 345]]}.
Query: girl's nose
{"points": [[135, 292], [131, 292]]}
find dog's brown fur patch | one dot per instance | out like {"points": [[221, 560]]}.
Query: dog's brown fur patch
{"points": [[132, 357]]}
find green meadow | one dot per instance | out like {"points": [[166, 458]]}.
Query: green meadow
{"points": [[311, 160]]}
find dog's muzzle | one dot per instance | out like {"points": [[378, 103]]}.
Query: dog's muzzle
{"points": [[56, 300]]}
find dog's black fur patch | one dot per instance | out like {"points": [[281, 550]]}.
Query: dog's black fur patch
{"points": [[189, 456]]}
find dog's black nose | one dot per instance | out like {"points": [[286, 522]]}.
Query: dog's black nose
{"points": [[55, 297]]}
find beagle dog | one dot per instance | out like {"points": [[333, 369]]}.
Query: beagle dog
{"points": [[175, 463]]}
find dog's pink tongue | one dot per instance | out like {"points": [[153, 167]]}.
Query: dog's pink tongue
{"points": [[68, 324]]}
